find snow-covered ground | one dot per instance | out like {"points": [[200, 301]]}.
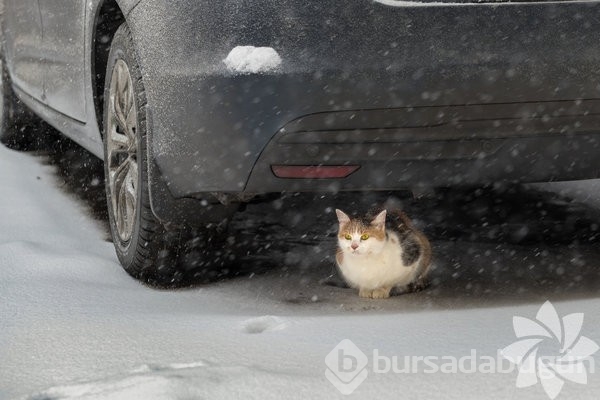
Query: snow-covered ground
{"points": [[73, 325]]}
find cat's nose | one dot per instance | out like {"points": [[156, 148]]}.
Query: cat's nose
{"points": [[354, 246]]}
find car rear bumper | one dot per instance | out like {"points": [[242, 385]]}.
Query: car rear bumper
{"points": [[436, 95], [437, 146]]}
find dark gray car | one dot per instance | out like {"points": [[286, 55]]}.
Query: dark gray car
{"points": [[198, 105]]}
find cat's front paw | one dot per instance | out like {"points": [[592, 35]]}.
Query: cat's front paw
{"points": [[381, 293]]}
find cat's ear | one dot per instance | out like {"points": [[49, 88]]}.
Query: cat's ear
{"points": [[343, 218], [379, 220]]}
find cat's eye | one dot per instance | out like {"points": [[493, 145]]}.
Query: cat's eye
{"points": [[364, 237], [348, 237]]}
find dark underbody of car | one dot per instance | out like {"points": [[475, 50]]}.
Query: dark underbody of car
{"points": [[359, 95]]}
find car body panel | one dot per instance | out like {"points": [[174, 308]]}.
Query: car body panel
{"points": [[23, 33], [68, 75], [433, 95], [211, 125], [63, 50]]}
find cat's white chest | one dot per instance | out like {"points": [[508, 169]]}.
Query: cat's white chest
{"points": [[376, 271]]}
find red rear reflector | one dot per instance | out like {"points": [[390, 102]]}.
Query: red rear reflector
{"points": [[313, 171]]}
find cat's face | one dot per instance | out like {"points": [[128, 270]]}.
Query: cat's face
{"points": [[360, 238]]}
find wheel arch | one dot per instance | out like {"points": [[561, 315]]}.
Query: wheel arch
{"points": [[107, 18]]}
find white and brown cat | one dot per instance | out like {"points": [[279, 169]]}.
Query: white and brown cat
{"points": [[376, 254]]}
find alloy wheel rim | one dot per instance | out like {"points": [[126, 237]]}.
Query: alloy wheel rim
{"points": [[122, 149]]}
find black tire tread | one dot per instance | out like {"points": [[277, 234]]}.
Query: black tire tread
{"points": [[150, 247]]}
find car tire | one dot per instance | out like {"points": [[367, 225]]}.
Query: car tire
{"points": [[146, 249], [19, 129]]}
